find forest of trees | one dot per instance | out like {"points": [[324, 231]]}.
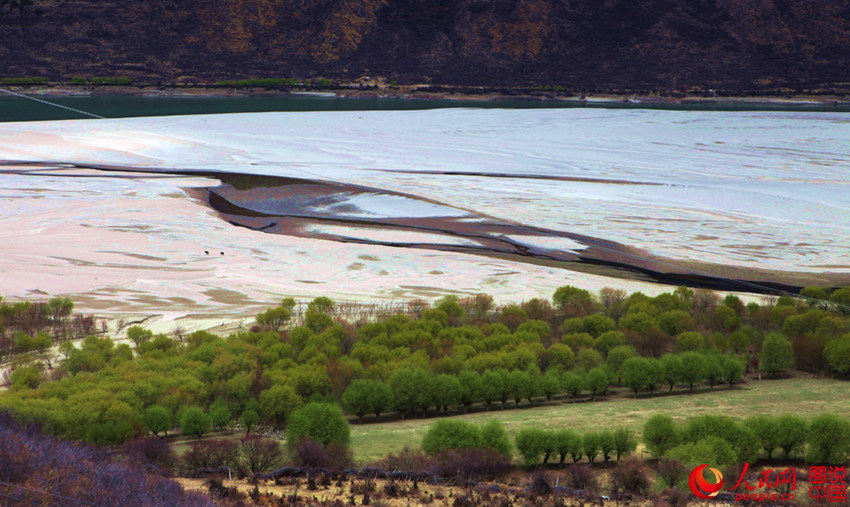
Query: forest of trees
{"points": [[450, 357]]}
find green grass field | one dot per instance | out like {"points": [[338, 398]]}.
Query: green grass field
{"points": [[802, 396]]}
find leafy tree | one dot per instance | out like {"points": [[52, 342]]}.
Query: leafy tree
{"points": [[660, 434], [609, 340], [589, 359], [675, 322], [550, 383], [492, 386], [711, 449], [792, 431], [597, 382], [493, 436], [690, 340], [607, 444], [577, 341], [693, 368], [837, 354], [713, 370], [278, 402], [597, 324], [158, 419], [139, 335], [447, 391], [451, 434], [273, 318], [577, 301], [815, 296], [766, 428], [573, 383], [470, 388], [635, 373], [733, 370], [776, 354], [559, 355], [322, 422], [671, 369], [249, 420], [193, 421], [625, 442], [591, 445], [219, 414], [365, 396], [411, 389], [829, 439], [840, 300], [567, 442], [619, 355], [530, 443]]}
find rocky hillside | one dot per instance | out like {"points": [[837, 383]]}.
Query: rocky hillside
{"points": [[579, 44]]}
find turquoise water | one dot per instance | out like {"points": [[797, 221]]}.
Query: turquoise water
{"points": [[14, 109]]}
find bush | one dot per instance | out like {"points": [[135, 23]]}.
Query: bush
{"points": [[451, 434], [313, 454], [18, 81], [580, 476], [671, 471], [407, 460], [631, 477], [260, 454], [211, 454], [472, 463], [152, 454], [322, 422]]}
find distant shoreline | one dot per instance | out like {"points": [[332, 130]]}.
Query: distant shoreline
{"points": [[663, 100]]}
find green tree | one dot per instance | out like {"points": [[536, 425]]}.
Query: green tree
{"points": [[837, 354], [609, 340], [493, 436], [671, 369], [577, 301], [840, 300], [451, 434], [597, 324], [249, 420], [447, 391], [690, 340], [776, 354], [273, 318], [365, 396], [711, 449], [792, 431], [470, 388], [158, 419], [219, 414], [573, 383], [693, 368], [589, 359], [139, 335], [815, 296], [635, 373], [713, 369], [322, 422], [733, 370], [411, 389], [607, 444], [550, 383], [625, 442], [829, 440], [591, 445], [530, 443], [660, 435], [193, 421], [278, 402], [766, 428], [559, 355], [597, 382], [567, 442], [675, 322]]}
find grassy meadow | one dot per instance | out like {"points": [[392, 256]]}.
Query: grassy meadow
{"points": [[803, 396]]}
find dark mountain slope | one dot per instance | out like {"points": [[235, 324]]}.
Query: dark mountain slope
{"points": [[579, 44]]}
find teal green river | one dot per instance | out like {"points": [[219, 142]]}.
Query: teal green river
{"points": [[14, 109]]}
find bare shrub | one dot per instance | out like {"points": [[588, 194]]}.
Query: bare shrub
{"points": [[631, 476], [211, 454]]}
